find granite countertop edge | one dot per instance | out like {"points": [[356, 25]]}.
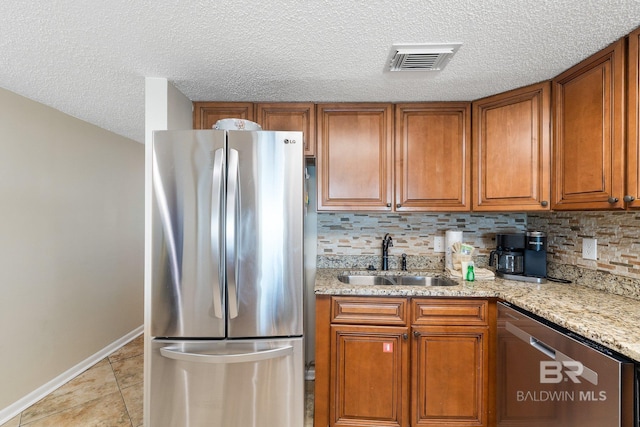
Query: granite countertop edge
{"points": [[611, 320]]}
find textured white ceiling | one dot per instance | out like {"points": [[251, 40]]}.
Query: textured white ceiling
{"points": [[89, 58]]}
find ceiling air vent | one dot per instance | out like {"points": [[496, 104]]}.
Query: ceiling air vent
{"points": [[421, 57]]}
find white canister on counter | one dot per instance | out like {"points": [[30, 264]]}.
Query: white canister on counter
{"points": [[451, 237]]}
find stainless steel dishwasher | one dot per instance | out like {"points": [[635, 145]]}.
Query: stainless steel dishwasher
{"points": [[548, 376]]}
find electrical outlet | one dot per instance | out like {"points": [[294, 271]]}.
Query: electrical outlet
{"points": [[590, 248], [438, 244]]}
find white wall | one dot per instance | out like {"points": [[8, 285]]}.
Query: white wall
{"points": [[165, 107], [71, 242]]}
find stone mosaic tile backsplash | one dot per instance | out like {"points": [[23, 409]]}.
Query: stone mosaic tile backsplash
{"points": [[618, 235], [361, 234], [350, 240]]}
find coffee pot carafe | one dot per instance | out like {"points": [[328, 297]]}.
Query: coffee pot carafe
{"points": [[508, 257], [510, 262]]}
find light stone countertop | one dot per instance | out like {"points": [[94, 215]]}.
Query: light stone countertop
{"points": [[611, 320]]}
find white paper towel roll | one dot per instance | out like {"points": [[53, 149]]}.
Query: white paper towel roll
{"points": [[451, 237]]}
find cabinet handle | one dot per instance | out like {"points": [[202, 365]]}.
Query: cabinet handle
{"points": [[398, 206], [628, 198], [405, 336], [612, 200], [388, 205], [544, 203], [416, 334]]}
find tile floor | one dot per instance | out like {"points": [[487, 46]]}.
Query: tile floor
{"points": [[108, 394]]}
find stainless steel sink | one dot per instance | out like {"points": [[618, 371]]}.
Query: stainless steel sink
{"points": [[397, 280]]}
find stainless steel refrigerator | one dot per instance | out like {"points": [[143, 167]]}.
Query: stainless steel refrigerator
{"points": [[227, 279]]}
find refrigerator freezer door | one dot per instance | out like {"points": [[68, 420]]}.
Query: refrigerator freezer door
{"points": [[264, 212], [227, 383], [188, 297]]}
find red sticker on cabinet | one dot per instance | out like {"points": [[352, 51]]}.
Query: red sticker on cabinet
{"points": [[387, 347]]}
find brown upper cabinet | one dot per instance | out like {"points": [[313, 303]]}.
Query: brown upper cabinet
{"points": [[632, 196], [511, 150], [510, 154], [354, 164], [589, 131], [433, 156], [206, 114], [292, 116], [295, 116]]}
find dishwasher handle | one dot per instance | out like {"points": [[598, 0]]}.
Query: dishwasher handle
{"points": [[176, 354], [542, 347], [529, 339]]}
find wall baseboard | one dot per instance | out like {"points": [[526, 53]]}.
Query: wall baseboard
{"points": [[14, 409]]}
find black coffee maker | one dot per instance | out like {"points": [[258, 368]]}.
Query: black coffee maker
{"points": [[520, 256]]}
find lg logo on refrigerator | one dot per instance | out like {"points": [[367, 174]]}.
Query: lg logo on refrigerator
{"points": [[556, 372], [289, 141]]}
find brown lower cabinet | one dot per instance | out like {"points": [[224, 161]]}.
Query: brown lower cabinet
{"points": [[386, 361], [369, 375]]}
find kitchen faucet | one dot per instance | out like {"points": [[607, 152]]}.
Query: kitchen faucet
{"points": [[386, 242]]}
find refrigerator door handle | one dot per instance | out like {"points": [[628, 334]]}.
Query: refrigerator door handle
{"points": [[173, 353], [233, 210], [217, 192]]}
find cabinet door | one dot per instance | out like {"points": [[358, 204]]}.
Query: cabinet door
{"points": [[290, 116], [433, 157], [369, 371], [354, 160], [632, 194], [511, 150], [206, 114], [450, 384], [589, 133]]}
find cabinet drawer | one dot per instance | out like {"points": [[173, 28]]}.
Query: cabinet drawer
{"points": [[449, 311], [369, 311]]}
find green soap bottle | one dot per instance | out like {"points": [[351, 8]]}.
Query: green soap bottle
{"points": [[471, 275]]}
